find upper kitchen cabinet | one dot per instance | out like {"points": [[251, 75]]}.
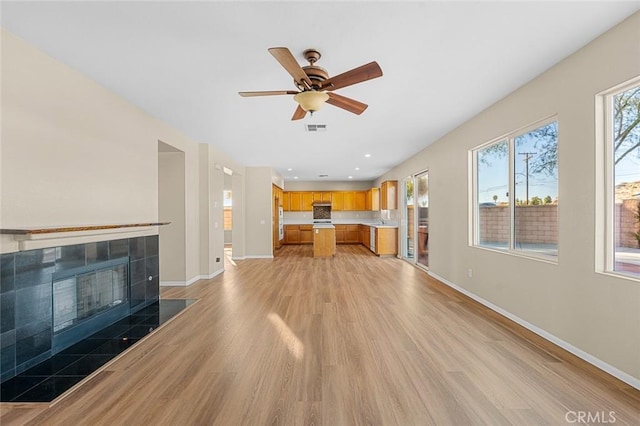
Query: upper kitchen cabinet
{"points": [[295, 201], [354, 200], [286, 201], [337, 201], [389, 195], [372, 201], [322, 196], [306, 200]]}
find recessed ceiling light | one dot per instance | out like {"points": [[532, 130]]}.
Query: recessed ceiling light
{"points": [[357, 168], [367, 155], [350, 177], [295, 177], [289, 169]]}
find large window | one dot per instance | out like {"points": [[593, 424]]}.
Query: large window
{"points": [[623, 149], [515, 198]]}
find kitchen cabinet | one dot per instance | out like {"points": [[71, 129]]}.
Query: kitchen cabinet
{"points": [[340, 233], [322, 196], [306, 234], [386, 241], [295, 201], [286, 201], [365, 235], [372, 202], [324, 242], [389, 195], [337, 201], [354, 200], [352, 234], [306, 201], [292, 234]]}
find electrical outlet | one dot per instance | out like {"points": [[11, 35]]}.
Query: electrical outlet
{"points": [[470, 273], [217, 259]]}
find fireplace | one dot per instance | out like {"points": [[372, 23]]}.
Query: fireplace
{"points": [[88, 298]]}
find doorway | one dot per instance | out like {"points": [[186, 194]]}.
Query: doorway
{"points": [[415, 219]]}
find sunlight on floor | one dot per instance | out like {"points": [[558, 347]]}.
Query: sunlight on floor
{"points": [[294, 345]]}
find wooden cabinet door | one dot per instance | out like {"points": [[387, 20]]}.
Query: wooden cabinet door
{"points": [[337, 201], [322, 196], [389, 195], [291, 234], [373, 200], [340, 233], [360, 200], [294, 201], [352, 235], [286, 201], [386, 241], [349, 200], [306, 201], [306, 234]]}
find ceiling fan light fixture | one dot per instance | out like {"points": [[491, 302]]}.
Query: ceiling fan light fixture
{"points": [[311, 100]]}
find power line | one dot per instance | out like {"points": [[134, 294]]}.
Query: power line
{"points": [[527, 157]]}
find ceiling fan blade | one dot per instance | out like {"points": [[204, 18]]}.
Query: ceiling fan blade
{"points": [[289, 63], [348, 104], [298, 114], [268, 93], [357, 75]]}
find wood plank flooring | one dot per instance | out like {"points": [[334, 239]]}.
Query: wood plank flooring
{"points": [[349, 340]]}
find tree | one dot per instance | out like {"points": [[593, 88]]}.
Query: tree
{"points": [[495, 198], [548, 199], [536, 201], [626, 136], [626, 123]]}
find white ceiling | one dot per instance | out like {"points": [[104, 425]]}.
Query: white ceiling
{"points": [[184, 62]]}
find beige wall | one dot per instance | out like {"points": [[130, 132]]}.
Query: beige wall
{"points": [[171, 208], [74, 153], [258, 212], [595, 313], [328, 185]]}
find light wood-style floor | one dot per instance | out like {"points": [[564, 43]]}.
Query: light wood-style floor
{"points": [[350, 340]]}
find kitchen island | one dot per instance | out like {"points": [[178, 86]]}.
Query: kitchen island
{"points": [[324, 240]]}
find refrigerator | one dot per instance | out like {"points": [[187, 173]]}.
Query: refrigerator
{"points": [[280, 223]]}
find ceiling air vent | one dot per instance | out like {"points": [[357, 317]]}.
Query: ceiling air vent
{"points": [[323, 176], [315, 127]]}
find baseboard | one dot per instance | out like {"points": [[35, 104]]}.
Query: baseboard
{"points": [[625, 377], [259, 256], [191, 281], [237, 258]]}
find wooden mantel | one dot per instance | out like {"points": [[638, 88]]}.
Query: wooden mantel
{"points": [[53, 236], [55, 229]]}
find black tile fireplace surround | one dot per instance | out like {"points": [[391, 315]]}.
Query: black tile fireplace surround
{"points": [[28, 332]]}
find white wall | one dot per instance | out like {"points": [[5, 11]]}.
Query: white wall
{"points": [[595, 313], [74, 153]]}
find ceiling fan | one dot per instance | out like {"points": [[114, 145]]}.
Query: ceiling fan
{"points": [[314, 85]]}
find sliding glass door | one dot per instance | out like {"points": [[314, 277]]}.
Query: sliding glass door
{"points": [[422, 218], [415, 219], [407, 220]]}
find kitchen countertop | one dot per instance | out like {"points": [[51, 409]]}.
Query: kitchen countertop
{"points": [[375, 224], [323, 226]]}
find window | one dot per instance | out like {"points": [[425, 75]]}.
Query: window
{"points": [[622, 114], [515, 197]]}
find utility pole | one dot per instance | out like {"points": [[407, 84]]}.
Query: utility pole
{"points": [[527, 157]]}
